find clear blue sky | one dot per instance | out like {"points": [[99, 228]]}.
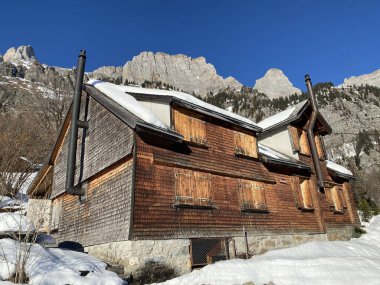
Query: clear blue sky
{"points": [[328, 39]]}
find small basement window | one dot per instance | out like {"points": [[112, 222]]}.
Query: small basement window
{"points": [[245, 145], [301, 191], [192, 129], [252, 196], [192, 189]]}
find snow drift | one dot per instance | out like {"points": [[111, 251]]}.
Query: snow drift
{"points": [[317, 263]]}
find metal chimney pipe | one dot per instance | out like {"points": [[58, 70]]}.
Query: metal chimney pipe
{"points": [[71, 160], [310, 133]]}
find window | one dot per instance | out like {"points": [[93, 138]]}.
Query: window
{"points": [[245, 145], [300, 142], [301, 190], [192, 129], [252, 196], [192, 189], [335, 198], [320, 147]]}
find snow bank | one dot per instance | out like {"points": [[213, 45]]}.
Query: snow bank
{"points": [[15, 222], [317, 263], [55, 266]]}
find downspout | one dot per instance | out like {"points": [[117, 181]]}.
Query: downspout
{"points": [[310, 134], [75, 125]]}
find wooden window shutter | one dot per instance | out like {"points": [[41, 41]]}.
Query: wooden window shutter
{"points": [[252, 196], [336, 197], [192, 188], [342, 197], [319, 145], [329, 198], [245, 144], [192, 129], [301, 192], [305, 149], [293, 132], [295, 183], [202, 188], [306, 196]]}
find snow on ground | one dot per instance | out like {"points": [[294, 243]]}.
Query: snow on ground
{"points": [[55, 266], [316, 263], [15, 222]]}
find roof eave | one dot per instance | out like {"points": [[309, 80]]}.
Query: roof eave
{"points": [[214, 114], [276, 161]]}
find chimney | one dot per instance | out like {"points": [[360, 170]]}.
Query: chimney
{"points": [[310, 134], [75, 125]]}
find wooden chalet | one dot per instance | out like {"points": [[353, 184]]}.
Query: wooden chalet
{"points": [[156, 166]]}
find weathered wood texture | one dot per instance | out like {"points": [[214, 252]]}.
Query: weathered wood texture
{"points": [[156, 217], [104, 215], [330, 218], [107, 141]]}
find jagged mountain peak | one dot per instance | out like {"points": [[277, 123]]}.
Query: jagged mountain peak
{"points": [[20, 55], [181, 71], [275, 84]]}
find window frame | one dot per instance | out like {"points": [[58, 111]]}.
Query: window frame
{"points": [[191, 128]]}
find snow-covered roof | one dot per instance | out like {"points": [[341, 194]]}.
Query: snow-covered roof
{"points": [[271, 153], [338, 168], [120, 94], [282, 117]]}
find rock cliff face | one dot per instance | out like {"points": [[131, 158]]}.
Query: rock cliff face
{"points": [[275, 84], [108, 73], [20, 55], [183, 72], [370, 79]]}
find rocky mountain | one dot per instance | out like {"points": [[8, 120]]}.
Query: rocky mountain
{"points": [[112, 74], [192, 75], [275, 84], [370, 79]]}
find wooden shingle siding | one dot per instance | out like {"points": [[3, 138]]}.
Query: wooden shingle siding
{"points": [[104, 215], [107, 141], [325, 201], [156, 217]]}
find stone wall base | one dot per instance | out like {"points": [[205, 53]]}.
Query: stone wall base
{"points": [[342, 233], [159, 260], [259, 244], [145, 258]]}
